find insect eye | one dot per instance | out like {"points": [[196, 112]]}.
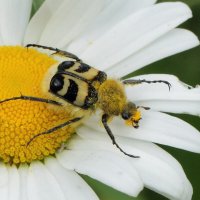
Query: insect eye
{"points": [[65, 65], [126, 115], [57, 83]]}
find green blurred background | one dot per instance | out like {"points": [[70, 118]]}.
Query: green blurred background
{"points": [[186, 66]]}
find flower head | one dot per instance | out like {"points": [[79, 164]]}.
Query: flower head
{"points": [[114, 37]]}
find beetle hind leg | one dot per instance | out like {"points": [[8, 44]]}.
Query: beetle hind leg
{"points": [[31, 98], [56, 51]]}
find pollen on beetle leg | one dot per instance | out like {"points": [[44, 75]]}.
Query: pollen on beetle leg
{"points": [[22, 71], [134, 119]]}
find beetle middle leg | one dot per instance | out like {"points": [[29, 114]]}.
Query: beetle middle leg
{"points": [[55, 128]]}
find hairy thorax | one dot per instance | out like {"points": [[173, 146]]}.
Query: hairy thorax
{"points": [[111, 97]]}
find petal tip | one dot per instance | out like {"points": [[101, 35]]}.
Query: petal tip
{"points": [[185, 8]]}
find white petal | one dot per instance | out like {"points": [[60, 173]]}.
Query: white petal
{"points": [[106, 167], [180, 99], [69, 21], [41, 184], [14, 17], [1, 40], [23, 173], [114, 12], [155, 127], [3, 182], [13, 184], [175, 41], [135, 32], [159, 171], [40, 19], [72, 185]]}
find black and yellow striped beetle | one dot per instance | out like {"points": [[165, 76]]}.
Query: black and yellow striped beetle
{"points": [[86, 89]]}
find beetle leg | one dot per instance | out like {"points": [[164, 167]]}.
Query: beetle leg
{"points": [[30, 98], [55, 128], [105, 118], [57, 51]]}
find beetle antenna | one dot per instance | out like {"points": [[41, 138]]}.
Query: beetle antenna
{"points": [[144, 107], [134, 82]]}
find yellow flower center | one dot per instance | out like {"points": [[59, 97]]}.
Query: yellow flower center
{"points": [[21, 73]]}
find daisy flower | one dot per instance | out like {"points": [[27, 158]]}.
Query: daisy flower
{"points": [[117, 37]]}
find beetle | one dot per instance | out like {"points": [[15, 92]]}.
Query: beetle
{"points": [[76, 85]]}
